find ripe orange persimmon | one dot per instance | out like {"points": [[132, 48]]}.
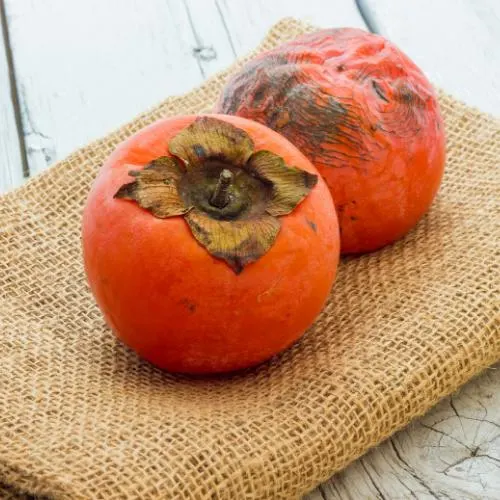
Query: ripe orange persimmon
{"points": [[209, 243], [364, 114]]}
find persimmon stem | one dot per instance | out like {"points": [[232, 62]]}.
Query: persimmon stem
{"points": [[220, 198]]}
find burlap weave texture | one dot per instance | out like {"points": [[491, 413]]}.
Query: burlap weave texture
{"points": [[82, 417]]}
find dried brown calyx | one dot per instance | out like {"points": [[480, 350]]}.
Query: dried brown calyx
{"points": [[230, 195]]}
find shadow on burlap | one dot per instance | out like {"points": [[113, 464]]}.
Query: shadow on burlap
{"points": [[82, 417]]}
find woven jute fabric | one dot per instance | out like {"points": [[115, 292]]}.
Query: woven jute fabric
{"points": [[82, 417]]}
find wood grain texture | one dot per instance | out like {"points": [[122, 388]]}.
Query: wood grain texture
{"points": [[11, 173], [453, 452], [213, 47], [248, 22], [85, 67], [456, 44]]}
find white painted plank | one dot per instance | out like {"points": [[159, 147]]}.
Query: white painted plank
{"points": [[248, 21], [452, 452], [93, 66], [11, 173], [457, 44], [85, 67]]}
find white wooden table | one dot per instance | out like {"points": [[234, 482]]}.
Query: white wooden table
{"points": [[71, 71]]}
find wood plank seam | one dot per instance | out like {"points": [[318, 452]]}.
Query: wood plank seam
{"points": [[13, 89], [370, 22], [200, 52], [226, 28]]}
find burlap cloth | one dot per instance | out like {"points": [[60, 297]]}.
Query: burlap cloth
{"points": [[82, 417]]}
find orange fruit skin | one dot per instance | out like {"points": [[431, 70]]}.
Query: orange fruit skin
{"points": [[364, 114], [175, 304]]}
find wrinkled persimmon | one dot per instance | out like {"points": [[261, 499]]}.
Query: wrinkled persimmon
{"points": [[364, 114], [209, 242]]}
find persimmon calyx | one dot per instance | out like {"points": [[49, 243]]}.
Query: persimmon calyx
{"points": [[230, 196]]}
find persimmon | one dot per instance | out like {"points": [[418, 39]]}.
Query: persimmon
{"points": [[364, 114], [210, 243]]}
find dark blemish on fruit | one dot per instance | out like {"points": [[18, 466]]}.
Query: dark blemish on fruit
{"points": [[379, 91], [340, 67], [353, 202], [312, 225], [406, 95], [259, 95], [354, 217], [191, 306]]}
